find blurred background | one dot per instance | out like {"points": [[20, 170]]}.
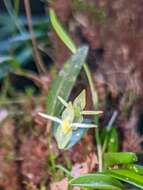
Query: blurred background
{"points": [[30, 57]]}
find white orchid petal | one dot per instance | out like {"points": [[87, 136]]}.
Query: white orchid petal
{"points": [[87, 112], [83, 125], [52, 118], [62, 101]]}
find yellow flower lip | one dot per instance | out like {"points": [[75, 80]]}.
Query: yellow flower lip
{"points": [[66, 127]]}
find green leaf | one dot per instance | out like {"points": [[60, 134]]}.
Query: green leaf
{"points": [[127, 176], [61, 32], [119, 158], [5, 59], [65, 81], [25, 36], [136, 168], [80, 100], [113, 143], [98, 181]]}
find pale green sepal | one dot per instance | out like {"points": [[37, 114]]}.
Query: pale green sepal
{"points": [[68, 113], [80, 100]]}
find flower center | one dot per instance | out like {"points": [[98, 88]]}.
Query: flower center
{"points": [[66, 127]]}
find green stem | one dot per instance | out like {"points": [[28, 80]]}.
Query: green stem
{"points": [[91, 84], [99, 150], [95, 104]]}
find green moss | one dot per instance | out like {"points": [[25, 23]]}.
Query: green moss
{"points": [[79, 5], [98, 14], [9, 157], [130, 99]]}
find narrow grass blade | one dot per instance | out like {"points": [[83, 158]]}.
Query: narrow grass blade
{"points": [[61, 32]]}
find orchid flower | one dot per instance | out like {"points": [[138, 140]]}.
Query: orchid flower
{"points": [[71, 119]]}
